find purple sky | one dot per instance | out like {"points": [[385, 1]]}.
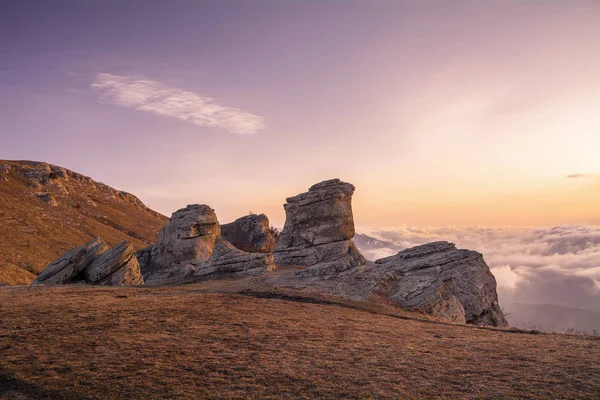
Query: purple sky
{"points": [[441, 113]]}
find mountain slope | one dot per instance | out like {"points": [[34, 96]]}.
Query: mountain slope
{"points": [[46, 210]]}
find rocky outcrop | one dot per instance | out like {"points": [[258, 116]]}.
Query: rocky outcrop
{"points": [[67, 267], [251, 233], [189, 237], [95, 264], [190, 248], [441, 280], [318, 231], [117, 266]]}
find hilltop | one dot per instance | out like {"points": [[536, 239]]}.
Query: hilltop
{"points": [[207, 341], [46, 210]]}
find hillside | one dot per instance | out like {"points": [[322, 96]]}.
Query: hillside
{"points": [[46, 210], [191, 342]]}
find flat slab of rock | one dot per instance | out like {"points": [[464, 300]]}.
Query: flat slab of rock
{"points": [[127, 274], [68, 266], [110, 261], [251, 233], [228, 260], [442, 280]]}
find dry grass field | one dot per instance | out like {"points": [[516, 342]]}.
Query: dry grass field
{"points": [[78, 342]]}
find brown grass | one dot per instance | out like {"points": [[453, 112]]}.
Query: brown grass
{"points": [[182, 342]]}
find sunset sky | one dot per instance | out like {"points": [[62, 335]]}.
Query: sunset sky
{"points": [[440, 112]]}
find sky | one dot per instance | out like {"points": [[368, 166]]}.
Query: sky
{"points": [[440, 113]]}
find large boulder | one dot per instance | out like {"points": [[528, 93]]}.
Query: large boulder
{"points": [[439, 279], [189, 237], [251, 233], [67, 267], [117, 266], [318, 231]]}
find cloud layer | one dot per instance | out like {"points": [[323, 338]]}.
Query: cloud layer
{"points": [[559, 265], [157, 98]]}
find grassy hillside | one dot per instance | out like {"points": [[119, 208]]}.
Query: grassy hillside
{"points": [[46, 210], [77, 342]]}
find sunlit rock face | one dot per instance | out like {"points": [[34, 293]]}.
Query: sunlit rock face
{"points": [[117, 266], [67, 267], [95, 264], [190, 248], [438, 278], [189, 236], [318, 230]]}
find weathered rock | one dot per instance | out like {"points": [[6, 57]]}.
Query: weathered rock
{"points": [[318, 230], [144, 257], [189, 237], [251, 233], [60, 172], [128, 274], [4, 170], [65, 268], [119, 257], [227, 260], [47, 198], [441, 280]]}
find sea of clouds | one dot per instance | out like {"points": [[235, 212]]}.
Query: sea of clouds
{"points": [[558, 265]]}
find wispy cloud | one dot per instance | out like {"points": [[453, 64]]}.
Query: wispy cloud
{"points": [[160, 99]]}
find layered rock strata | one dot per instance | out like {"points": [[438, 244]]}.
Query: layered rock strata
{"points": [[67, 267], [95, 264], [437, 278], [318, 231]]}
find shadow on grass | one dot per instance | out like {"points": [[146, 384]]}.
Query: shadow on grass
{"points": [[281, 295], [12, 388]]}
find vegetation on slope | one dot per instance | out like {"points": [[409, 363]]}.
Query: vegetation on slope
{"points": [[46, 210]]}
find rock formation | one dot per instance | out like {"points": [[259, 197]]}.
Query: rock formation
{"points": [[189, 236], [117, 266], [441, 280], [318, 231], [95, 264], [435, 278], [68, 266], [251, 233], [190, 248]]}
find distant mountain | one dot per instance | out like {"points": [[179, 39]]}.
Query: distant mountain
{"points": [[46, 210], [551, 317], [374, 249]]}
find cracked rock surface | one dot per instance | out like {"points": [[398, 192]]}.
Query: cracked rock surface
{"points": [[318, 230]]}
